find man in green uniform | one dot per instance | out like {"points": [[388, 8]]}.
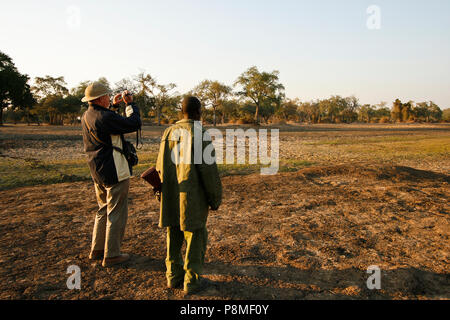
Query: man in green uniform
{"points": [[190, 187]]}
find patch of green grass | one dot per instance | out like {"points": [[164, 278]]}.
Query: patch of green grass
{"points": [[290, 165], [393, 148], [16, 173], [19, 173], [146, 160], [378, 139], [411, 149], [28, 172]]}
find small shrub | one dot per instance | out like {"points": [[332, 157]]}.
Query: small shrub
{"points": [[241, 121], [278, 122]]}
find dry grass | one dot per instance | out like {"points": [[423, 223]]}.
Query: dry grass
{"points": [[377, 198]]}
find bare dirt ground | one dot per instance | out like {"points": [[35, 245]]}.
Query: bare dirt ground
{"points": [[306, 234]]}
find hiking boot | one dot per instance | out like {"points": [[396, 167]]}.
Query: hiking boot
{"points": [[175, 284], [202, 284], [108, 262], [96, 255]]}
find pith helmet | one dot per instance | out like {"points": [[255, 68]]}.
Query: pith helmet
{"points": [[95, 90]]}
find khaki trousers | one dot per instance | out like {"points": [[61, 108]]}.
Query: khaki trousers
{"points": [[111, 218]]}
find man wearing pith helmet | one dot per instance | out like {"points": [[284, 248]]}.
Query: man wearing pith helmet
{"points": [[103, 131], [189, 190]]}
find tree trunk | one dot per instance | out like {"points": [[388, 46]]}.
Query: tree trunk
{"points": [[158, 113], [214, 116], [257, 115], [1, 115]]}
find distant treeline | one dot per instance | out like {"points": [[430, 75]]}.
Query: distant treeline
{"points": [[254, 97]]}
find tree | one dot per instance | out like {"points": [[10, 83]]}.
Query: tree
{"points": [[51, 92], [309, 111], [407, 113], [350, 114], [127, 84], [325, 111], [288, 110], [51, 109], [382, 113], [396, 113], [161, 94], [49, 86], [259, 87], [230, 110], [267, 110], [335, 109], [446, 115], [172, 107], [246, 113], [72, 107], [402, 112], [14, 89], [366, 113], [55, 102], [142, 86], [163, 97], [435, 112], [212, 93], [421, 111]]}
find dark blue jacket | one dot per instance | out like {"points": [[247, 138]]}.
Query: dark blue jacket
{"points": [[103, 128]]}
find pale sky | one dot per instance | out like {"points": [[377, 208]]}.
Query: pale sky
{"points": [[321, 48]]}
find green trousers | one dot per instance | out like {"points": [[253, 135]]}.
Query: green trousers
{"points": [[192, 268]]}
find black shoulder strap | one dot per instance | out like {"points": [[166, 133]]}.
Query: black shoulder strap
{"points": [[91, 132], [139, 135]]}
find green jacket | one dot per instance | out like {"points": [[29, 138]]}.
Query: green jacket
{"points": [[188, 189]]}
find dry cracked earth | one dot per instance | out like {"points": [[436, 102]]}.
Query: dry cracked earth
{"points": [[310, 234]]}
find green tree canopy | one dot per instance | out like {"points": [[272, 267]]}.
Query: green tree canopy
{"points": [[160, 95], [259, 87], [213, 94], [49, 86], [14, 89], [446, 115]]}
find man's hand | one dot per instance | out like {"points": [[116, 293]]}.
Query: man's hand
{"points": [[117, 99], [127, 97]]}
